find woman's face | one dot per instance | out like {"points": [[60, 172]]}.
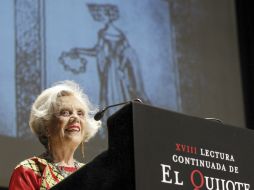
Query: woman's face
{"points": [[68, 124]]}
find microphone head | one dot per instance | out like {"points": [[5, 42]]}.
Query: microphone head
{"points": [[98, 115]]}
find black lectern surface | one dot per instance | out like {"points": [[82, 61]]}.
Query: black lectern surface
{"points": [[151, 148]]}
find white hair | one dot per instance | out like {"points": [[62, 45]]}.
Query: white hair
{"points": [[43, 109]]}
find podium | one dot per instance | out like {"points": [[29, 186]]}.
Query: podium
{"points": [[152, 148]]}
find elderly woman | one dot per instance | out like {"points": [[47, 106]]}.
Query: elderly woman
{"points": [[61, 119]]}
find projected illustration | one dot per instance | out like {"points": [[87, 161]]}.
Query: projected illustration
{"points": [[117, 62], [116, 50]]}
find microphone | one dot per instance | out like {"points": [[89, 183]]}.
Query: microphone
{"points": [[214, 119], [100, 114]]}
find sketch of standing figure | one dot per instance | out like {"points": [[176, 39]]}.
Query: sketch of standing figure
{"points": [[117, 62]]}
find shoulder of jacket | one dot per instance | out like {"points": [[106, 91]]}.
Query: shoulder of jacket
{"points": [[35, 163]]}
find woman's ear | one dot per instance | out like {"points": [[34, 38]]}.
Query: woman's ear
{"points": [[47, 124]]}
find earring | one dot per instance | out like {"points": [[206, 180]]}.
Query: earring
{"points": [[82, 149]]}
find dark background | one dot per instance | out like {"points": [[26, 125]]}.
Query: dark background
{"points": [[244, 11]]}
